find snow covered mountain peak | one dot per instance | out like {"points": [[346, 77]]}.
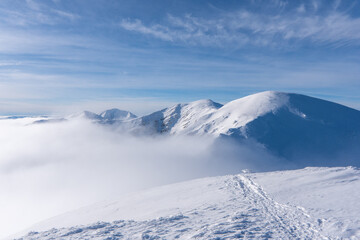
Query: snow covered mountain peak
{"points": [[241, 111], [204, 103], [180, 118], [287, 124], [259, 103], [117, 114], [108, 116]]}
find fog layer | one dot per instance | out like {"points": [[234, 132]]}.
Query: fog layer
{"points": [[47, 169]]}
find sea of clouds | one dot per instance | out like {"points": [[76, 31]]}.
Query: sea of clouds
{"points": [[50, 168]]}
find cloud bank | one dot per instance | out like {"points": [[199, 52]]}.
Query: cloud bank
{"points": [[48, 169]]}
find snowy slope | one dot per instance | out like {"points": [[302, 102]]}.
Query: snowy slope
{"points": [[311, 203], [240, 112], [331, 194], [309, 128], [207, 117], [180, 118], [211, 208]]}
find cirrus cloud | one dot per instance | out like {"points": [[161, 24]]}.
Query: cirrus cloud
{"points": [[241, 28]]}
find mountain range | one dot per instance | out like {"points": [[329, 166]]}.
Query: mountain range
{"points": [[288, 125]]}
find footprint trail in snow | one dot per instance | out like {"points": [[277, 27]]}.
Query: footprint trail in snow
{"points": [[240, 210]]}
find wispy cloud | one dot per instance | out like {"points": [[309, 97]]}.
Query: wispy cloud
{"points": [[66, 15], [32, 12], [155, 30], [63, 51], [190, 30], [243, 27]]}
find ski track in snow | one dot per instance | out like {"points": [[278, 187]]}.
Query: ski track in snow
{"points": [[247, 213]]}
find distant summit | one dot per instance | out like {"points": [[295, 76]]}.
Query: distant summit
{"points": [[117, 114], [106, 117], [90, 115]]}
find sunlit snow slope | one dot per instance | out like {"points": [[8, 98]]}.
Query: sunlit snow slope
{"points": [[310, 203], [330, 194], [210, 208]]}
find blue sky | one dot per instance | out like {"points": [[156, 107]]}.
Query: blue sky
{"points": [[68, 55]]}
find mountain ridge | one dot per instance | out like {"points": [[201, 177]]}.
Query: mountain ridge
{"points": [[288, 125]]}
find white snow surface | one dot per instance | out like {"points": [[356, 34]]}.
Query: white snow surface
{"points": [[239, 112], [180, 118], [312, 203], [330, 194]]}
